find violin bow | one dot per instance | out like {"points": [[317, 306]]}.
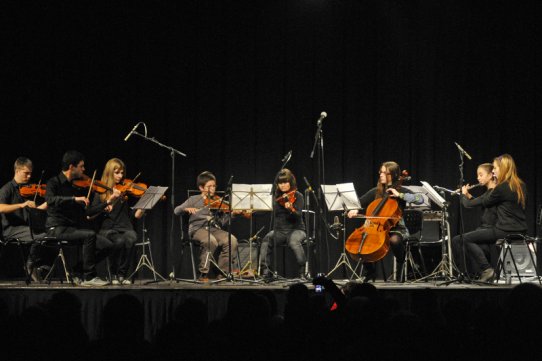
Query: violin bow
{"points": [[91, 184]]}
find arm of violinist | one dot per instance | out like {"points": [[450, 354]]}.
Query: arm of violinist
{"points": [[96, 205], [188, 206], [298, 205], [54, 198], [9, 208]]}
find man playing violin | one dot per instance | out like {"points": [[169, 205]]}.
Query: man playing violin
{"points": [[288, 224], [389, 175], [116, 222], [68, 208], [15, 218], [205, 228]]}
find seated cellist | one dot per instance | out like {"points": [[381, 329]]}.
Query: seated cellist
{"points": [[389, 175]]}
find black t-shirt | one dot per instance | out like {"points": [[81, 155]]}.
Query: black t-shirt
{"points": [[9, 194], [120, 218]]}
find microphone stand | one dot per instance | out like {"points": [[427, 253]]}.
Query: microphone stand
{"points": [[172, 153], [319, 141], [463, 275]]}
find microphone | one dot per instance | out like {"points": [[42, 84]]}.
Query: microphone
{"points": [[255, 237], [131, 132], [463, 151], [322, 116], [229, 182], [336, 224], [287, 157], [309, 188]]}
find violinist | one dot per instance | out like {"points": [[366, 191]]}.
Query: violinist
{"points": [[508, 197], [116, 222], [67, 211], [205, 229], [389, 174], [288, 224], [15, 218], [487, 179]]}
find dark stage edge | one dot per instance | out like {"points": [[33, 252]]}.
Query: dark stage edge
{"points": [[161, 299]]}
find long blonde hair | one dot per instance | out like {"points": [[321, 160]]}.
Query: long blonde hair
{"points": [[108, 178], [508, 173]]}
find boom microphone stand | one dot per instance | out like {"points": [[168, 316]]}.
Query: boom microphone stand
{"points": [[319, 141], [172, 152]]}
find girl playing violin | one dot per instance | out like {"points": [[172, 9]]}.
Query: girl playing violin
{"points": [[115, 223], [288, 223], [389, 174], [205, 228], [487, 179]]}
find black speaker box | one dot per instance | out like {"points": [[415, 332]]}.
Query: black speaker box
{"points": [[521, 255]]}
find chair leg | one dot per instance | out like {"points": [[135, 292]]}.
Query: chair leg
{"points": [[193, 262]]}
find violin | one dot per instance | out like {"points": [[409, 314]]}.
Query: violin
{"points": [[130, 187], [288, 197], [370, 242], [32, 190], [217, 203], [85, 182]]}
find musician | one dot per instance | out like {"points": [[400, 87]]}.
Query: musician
{"points": [[67, 215], [508, 197], [116, 222], [206, 229], [15, 216], [288, 224], [487, 179], [389, 174]]}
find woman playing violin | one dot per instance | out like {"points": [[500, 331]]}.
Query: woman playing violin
{"points": [[389, 175], [205, 228], [116, 222], [288, 223]]}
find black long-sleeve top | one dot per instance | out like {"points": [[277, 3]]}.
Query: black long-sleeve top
{"points": [[62, 209], [510, 213], [489, 214], [120, 218], [285, 219]]}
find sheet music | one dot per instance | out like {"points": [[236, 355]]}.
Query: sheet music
{"points": [[349, 196], [340, 197], [433, 195], [256, 197]]}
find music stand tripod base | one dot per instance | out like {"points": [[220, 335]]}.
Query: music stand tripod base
{"points": [[147, 201]]}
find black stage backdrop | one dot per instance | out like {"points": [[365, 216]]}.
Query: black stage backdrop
{"points": [[237, 84]]}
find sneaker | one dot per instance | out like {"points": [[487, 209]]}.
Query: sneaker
{"points": [[487, 275], [96, 281], [203, 278], [124, 281]]}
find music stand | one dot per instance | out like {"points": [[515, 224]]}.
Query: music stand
{"points": [[252, 198], [445, 267], [341, 197], [147, 201]]}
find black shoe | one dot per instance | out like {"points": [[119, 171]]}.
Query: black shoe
{"points": [[487, 275]]}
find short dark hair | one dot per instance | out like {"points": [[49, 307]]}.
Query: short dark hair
{"points": [[72, 157], [22, 162], [204, 177]]}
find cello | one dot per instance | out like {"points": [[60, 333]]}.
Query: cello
{"points": [[370, 242]]}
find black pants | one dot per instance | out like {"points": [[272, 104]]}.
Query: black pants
{"points": [[37, 255], [95, 248], [474, 241], [123, 249]]}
